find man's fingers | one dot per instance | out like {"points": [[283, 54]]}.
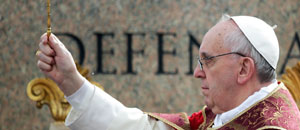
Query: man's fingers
{"points": [[43, 66], [46, 59], [46, 49], [43, 37], [53, 43]]}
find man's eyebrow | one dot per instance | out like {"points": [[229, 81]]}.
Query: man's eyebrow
{"points": [[204, 54]]}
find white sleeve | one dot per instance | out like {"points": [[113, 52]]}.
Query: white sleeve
{"points": [[94, 109]]}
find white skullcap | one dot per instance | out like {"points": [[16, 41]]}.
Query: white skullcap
{"points": [[261, 36]]}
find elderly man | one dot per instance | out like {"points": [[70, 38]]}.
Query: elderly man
{"points": [[237, 62]]}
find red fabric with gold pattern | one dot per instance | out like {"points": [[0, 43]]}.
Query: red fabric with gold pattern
{"points": [[277, 110], [179, 119], [194, 120]]}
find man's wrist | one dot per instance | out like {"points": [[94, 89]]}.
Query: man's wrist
{"points": [[71, 84]]}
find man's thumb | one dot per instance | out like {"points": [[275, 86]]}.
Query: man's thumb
{"points": [[56, 45]]}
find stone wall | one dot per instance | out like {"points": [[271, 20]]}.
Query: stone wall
{"points": [[161, 28]]}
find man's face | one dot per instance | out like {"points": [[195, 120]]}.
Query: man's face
{"points": [[219, 74]]}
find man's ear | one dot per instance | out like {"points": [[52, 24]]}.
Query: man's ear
{"points": [[246, 70]]}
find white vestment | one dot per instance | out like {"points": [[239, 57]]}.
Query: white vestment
{"points": [[93, 109]]}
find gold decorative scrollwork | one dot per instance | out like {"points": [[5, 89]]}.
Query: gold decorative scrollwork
{"points": [[45, 91], [291, 79]]}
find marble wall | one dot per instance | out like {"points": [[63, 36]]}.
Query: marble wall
{"points": [[22, 22]]}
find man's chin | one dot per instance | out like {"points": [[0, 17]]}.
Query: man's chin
{"points": [[207, 103]]}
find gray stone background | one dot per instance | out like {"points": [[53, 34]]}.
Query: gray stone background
{"points": [[22, 22]]}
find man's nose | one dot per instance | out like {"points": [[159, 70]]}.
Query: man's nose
{"points": [[198, 73]]}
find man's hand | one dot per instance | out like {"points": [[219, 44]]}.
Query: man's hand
{"points": [[56, 62]]}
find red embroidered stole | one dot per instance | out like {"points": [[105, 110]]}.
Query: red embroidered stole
{"points": [[278, 110]]}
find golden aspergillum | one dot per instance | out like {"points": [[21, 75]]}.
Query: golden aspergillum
{"points": [[49, 20]]}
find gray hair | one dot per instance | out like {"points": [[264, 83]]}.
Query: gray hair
{"points": [[238, 42]]}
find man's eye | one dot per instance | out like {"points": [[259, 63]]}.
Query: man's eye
{"points": [[206, 58]]}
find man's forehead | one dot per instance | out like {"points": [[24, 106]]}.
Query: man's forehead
{"points": [[213, 40], [207, 49], [210, 47]]}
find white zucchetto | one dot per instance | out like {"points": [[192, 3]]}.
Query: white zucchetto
{"points": [[261, 36]]}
